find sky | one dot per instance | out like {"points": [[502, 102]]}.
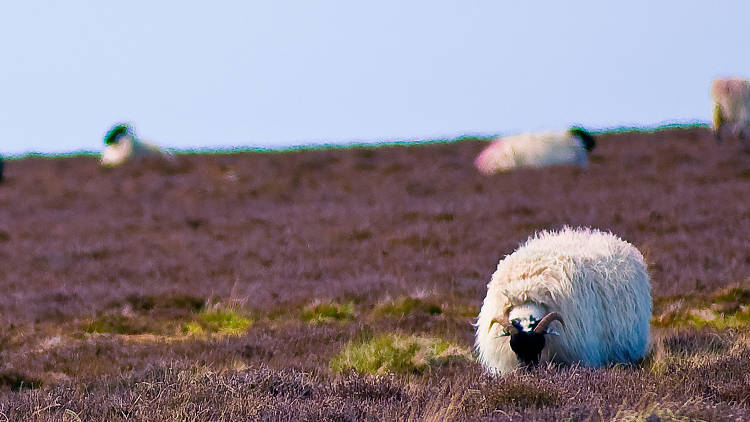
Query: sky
{"points": [[282, 73]]}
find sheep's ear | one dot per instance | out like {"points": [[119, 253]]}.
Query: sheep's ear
{"points": [[505, 332], [506, 328]]}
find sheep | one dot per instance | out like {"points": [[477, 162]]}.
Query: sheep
{"points": [[122, 145], [535, 150], [592, 285], [731, 98]]}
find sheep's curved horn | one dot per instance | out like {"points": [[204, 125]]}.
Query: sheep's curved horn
{"points": [[504, 323], [541, 327]]}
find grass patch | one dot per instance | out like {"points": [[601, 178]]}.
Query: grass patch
{"points": [[406, 306], [138, 314], [734, 295], [703, 317], [727, 308], [397, 353], [192, 328], [219, 320], [327, 312], [116, 324]]}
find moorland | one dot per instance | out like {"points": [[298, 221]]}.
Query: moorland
{"points": [[342, 283]]}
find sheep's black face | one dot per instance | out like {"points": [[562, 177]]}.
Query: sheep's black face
{"points": [[114, 134], [588, 141], [527, 345]]}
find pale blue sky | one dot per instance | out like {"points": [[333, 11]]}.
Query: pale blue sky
{"points": [[281, 73]]}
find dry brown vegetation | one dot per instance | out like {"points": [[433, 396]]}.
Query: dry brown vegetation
{"points": [[232, 287]]}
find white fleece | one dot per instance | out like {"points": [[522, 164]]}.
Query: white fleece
{"points": [[731, 98], [597, 282], [128, 148], [531, 150]]}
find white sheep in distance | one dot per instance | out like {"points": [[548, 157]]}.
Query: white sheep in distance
{"points": [[591, 283], [731, 97], [535, 150], [122, 145]]}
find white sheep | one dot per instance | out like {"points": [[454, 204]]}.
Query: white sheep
{"points": [[731, 97], [535, 150], [593, 284], [123, 145]]}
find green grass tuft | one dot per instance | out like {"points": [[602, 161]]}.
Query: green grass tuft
{"points": [[397, 353], [726, 308], [701, 317], [217, 319], [192, 328], [406, 306], [330, 311], [719, 320]]}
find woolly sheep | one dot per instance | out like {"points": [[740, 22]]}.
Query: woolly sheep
{"points": [[731, 97], [123, 145], [535, 150], [591, 285]]}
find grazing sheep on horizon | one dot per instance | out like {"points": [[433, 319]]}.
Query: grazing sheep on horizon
{"points": [[731, 98], [592, 283], [123, 145], [535, 150]]}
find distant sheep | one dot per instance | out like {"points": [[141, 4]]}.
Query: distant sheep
{"points": [[592, 284], [535, 150], [122, 145], [731, 97]]}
